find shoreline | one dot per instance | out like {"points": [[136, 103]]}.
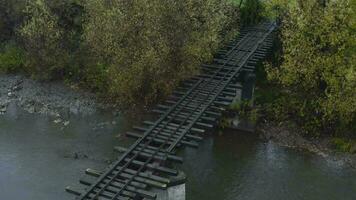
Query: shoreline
{"points": [[59, 101], [53, 99], [289, 137]]}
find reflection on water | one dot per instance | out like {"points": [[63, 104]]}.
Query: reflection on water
{"points": [[237, 166], [38, 159]]}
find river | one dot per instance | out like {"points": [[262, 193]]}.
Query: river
{"points": [[39, 158]]}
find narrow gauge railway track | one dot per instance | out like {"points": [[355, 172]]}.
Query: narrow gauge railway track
{"points": [[192, 109]]}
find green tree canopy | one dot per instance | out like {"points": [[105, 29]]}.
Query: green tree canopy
{"points": [[319, 63]]}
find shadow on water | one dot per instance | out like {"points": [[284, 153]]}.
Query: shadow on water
{"points": [[238, 166]]}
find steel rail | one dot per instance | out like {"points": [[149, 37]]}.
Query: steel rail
{"points": [[233, 72], [170, 135], [134, 146], [189, 109], [196, 107]]}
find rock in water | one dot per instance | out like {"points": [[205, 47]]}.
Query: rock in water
{"points": [[2, 109], [75, 107], [57, 121], [66, 123]]}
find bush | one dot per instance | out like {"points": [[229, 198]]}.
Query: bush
{"points": [[318, 72], [131, 51], [11, 17], [342, 145], [251, 12], [11, 59], [42, 40], [147, 47]]}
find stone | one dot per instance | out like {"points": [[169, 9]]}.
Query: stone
{"points": [[31, 109], [172, 193], [16, 88], [66, 123], [57, 121], [74, 107], [3, 109]]}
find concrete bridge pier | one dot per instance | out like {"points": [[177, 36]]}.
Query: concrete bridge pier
{"points": [[248, 86], [175, 190], [246, 94]]}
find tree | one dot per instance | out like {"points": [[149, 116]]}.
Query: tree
{"points": [[319, 65], [145, 47], [42, 40]]}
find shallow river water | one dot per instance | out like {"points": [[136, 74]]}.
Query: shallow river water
{"points": [[39, 158]]}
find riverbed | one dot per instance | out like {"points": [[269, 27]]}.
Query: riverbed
{"points": [[39, 158]]}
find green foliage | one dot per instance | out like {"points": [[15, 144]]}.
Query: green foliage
{"points": [[11, 59], [318, 73], [131, 51], [70, 16], [11, 16], [223, 124], [246, 110], [149, 46], [343, 145], [251, 12], [276, 9], [42, 39]]}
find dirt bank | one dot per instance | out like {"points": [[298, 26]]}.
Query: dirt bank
{"points": [[290, 137]]}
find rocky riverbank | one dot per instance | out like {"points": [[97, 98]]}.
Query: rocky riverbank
{"points": [[50, 98], [288, 136], [60, 102]]}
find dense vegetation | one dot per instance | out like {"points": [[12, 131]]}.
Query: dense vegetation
{"points": [[137, 51], [316, 72], [131, 51]]}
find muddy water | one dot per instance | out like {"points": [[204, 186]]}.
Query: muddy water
{"points": [[39, 158]]}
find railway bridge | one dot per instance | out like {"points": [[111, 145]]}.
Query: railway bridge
{"points": [[147, 170]]}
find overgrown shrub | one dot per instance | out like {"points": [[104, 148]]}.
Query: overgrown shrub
{"points": [[42, 39], [11, 17], [11, 59], [132, 51], [251, 11], [51, 36], [147, 46], [343, 145], [318, 72]]}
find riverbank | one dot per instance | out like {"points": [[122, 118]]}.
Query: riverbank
{"points": [[289, 136], [60, 102], [54, 99], [39, 157]]}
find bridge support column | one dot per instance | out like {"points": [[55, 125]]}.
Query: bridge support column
{"points": [[248, 87], [247, 94], [175, 190], [173, 193]]}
